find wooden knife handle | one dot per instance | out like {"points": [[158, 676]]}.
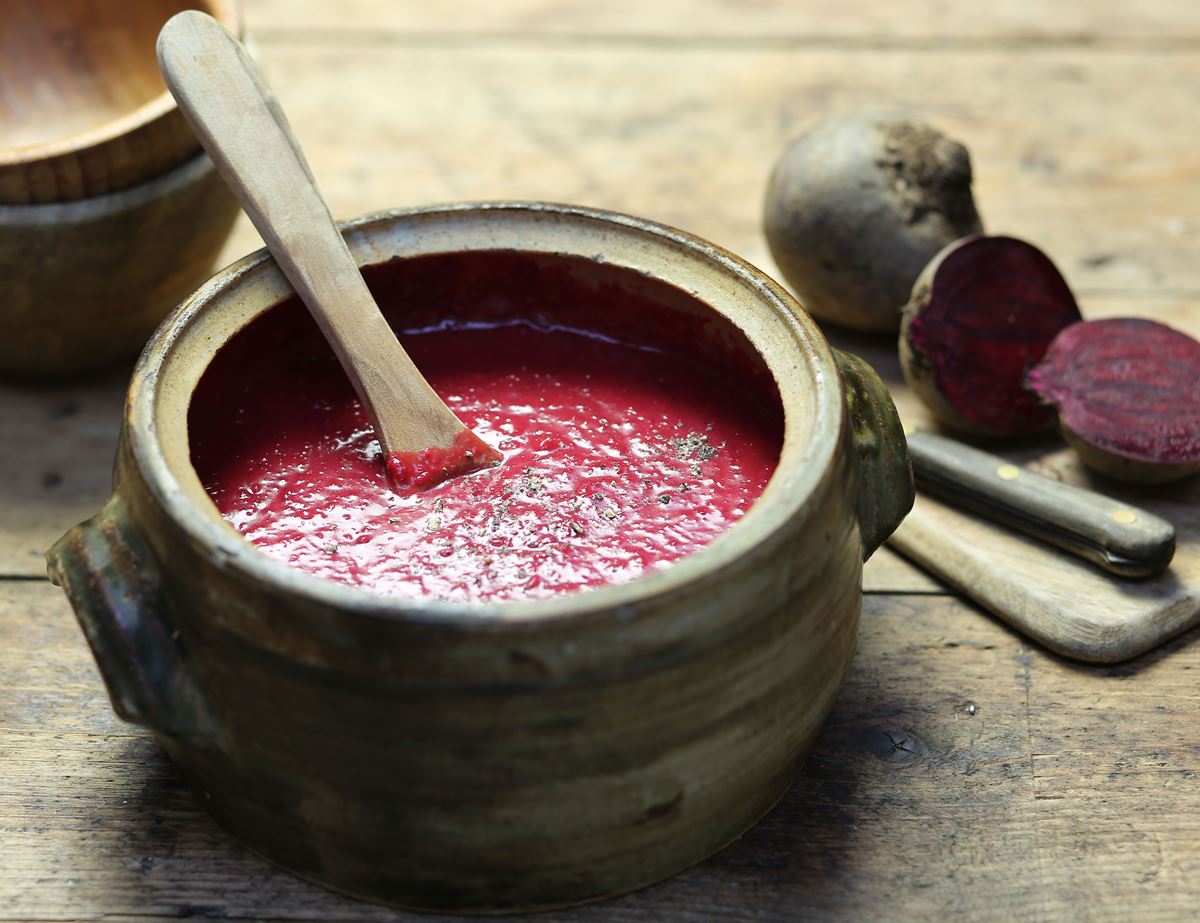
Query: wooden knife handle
{"points": [[1123, 539]]}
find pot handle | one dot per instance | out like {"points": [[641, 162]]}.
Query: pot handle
{"points": [[885, 480], [116, 588]]}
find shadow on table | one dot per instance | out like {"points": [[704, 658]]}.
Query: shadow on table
{"points": [[163, 855], [59, 442]]}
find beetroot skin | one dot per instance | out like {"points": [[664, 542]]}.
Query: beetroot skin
{"points": [[855, 208], [981, 314], [1127, 392]]}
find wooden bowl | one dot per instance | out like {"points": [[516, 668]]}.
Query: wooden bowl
{"points": [[511, 756], [84, 110], [86, 282]]}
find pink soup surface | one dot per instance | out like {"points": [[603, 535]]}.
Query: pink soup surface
{"points": [[618, 460]]}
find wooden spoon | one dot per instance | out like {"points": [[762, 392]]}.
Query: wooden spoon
{"points": [[241, 125]]}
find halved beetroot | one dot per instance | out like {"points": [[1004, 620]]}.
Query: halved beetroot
{"points": [[981, 314], [1127, 392]]}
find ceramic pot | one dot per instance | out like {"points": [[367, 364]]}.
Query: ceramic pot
{"points": [[86, 282], [515, 756]]}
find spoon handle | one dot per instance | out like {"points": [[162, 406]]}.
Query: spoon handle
{"points": [[244, 130], [1122, 539]]}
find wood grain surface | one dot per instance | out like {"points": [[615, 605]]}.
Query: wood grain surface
{"points": [[84, 110], [1101, 177], [965, 772], [1017, 22], [1069, 605]]}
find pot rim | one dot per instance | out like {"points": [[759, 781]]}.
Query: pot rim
{"points": [[801, 470]]}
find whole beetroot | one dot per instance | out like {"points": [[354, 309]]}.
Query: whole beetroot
{"points": [[1127, 393], [856, 207], [982, 313]]}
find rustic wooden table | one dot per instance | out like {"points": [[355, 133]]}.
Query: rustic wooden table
{"points": [[964, 771]]}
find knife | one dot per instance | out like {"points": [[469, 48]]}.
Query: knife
{"points": [[1122, 539]]}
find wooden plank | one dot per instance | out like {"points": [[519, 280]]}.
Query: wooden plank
{"points": [[1025, 21], [1112, 745], [888, 572], [962, 774], [1101, 176], [1070, 606], [59, 443]]}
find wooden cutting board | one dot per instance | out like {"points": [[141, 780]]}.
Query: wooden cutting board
{"points": [[1069, 605]]}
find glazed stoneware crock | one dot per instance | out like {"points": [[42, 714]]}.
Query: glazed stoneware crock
{"points": [[514, 756]]}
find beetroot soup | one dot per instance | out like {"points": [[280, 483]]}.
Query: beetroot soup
{"points": [[624, 449]]}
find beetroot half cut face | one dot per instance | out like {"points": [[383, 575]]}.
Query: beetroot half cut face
{"points": [[982, 313], [1127, 392]]}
